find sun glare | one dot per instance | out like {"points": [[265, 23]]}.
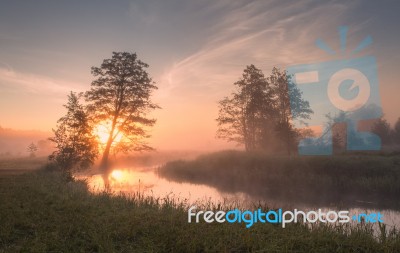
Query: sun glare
{"points": [[102, 132], [117, 175]]}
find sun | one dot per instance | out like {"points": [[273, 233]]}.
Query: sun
{"points": [[102, 131], [117, 175]]}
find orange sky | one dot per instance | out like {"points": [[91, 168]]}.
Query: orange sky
{"points": [[195, 52]]}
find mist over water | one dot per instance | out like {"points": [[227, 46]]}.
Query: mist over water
{"points": [[147, 181]]}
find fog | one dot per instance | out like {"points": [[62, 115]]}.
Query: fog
{"points": [[14, 143]]}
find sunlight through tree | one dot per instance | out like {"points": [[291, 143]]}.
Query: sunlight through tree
{"points": [[120, 97]]}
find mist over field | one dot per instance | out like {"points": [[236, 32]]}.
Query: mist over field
{"points": [[15, 142], [199, 126]]}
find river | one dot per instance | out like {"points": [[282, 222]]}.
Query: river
{"points": [[147, 182]]}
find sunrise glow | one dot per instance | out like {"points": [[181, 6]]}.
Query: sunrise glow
{"points": [[117, 175], [102, 133], [199, 126]]}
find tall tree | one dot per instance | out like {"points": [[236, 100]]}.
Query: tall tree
{"points": [[259, 113], [76, 147], [289, 105], [120, 95], [242, 117]]}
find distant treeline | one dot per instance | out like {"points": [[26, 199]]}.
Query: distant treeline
{"points": [[259, 115]]}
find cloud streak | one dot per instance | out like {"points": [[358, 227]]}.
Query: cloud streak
{"points": [[265, 34], [13, 82]]}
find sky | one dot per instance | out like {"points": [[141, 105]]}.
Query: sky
{"points": [[196, 50]]}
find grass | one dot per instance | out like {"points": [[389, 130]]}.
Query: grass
{"points": [[20, 165], [345, 180], [42, 212]]}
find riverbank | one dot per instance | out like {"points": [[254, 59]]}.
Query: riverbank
{"points": [[358, 180], [41, 212]]}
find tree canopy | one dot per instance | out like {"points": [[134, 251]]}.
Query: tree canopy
{"points": [[258, 113], [76, 147], [120, 97]]}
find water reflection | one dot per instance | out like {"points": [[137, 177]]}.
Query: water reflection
{"points": [[147, 182]]}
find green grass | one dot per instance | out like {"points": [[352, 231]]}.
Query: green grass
{"points": [[345, 180], [42, 212]]}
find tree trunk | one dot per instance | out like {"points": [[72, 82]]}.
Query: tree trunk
{"points": [[104, 165], [104, 160]]}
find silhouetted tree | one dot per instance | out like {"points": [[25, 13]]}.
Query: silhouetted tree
{"points": [[289, 106], [382, 128], [339, 137], [32, 149], [120, 95], [76, 147], [259, 114], [242, 117]]}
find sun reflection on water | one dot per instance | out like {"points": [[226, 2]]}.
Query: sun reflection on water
{"points": [[147, 182], [117, 175]]}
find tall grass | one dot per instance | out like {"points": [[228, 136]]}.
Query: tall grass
{"points": [[42, 212]]}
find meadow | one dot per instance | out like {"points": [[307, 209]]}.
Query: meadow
{"points": [[41, 211], [18, 165]]}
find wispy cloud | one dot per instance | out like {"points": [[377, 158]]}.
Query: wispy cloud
{"points": [[265, 34], [13, 82]]}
